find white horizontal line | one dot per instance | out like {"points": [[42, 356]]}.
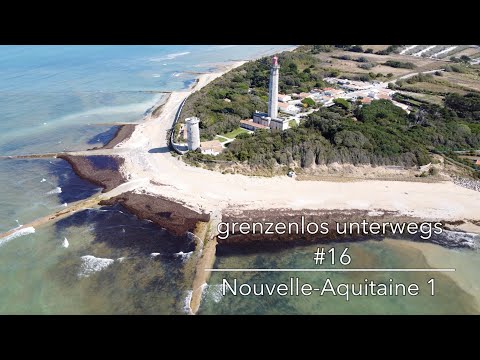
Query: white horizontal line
{"points": [[331, 270]]}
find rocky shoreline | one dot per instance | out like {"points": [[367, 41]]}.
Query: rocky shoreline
{"points": [[471, 184], [98, 169], [174, 217]]}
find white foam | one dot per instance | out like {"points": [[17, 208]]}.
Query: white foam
{"points": [[92, 264], [170, 56], [465, 238], [214, 292], [120, 259], [187, 301], [155, 255], [65, 243], [43, 180], [184, 256], [203, 287], [16, 234], [375, 213], [57, 190], [156, 75]]}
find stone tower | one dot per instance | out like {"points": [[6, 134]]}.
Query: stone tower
{"points": [[273, 89], [193, 133]]}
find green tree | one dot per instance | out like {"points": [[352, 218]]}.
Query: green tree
{"points": [[399, 64], [342, 103], [356, 48], [309, 102]]}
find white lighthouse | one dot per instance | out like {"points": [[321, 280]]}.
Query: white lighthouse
{"points": [[273, 89], [270, 119], [193, 133]]}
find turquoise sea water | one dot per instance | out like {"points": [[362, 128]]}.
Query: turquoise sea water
{"points": [[54, 98], [51, 97]]}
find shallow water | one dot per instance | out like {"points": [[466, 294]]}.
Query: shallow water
{"points": [[449, 298]]}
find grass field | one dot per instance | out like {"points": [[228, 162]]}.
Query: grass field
{"points": [[433, 99], [233, 134], [329, 62], [436, 89], [220, 138], [375, 48], [472, 52], [470, 80]]}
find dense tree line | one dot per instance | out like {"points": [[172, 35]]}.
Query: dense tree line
{"points": [[379, 134]]}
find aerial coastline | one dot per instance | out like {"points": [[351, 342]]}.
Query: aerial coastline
{"points": [[142, 149], [137, 169]]}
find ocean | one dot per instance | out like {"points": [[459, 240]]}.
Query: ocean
{"points": [[56, 98]]}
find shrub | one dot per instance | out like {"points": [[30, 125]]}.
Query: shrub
{"points": [[399, 64]]}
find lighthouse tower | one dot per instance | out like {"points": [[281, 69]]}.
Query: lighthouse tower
{"points": [[271, 119], [273, 89], [193, 133]]}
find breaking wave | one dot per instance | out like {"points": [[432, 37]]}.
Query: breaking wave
{"points": [[16, 234], [65, 243], [214, 293], [186, 302], [57, 190], [92, 264], [183, 256]]}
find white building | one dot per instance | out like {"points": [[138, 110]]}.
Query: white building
{"points": [[193, 133], [271, 118], [284, 98], [290, 109]]}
